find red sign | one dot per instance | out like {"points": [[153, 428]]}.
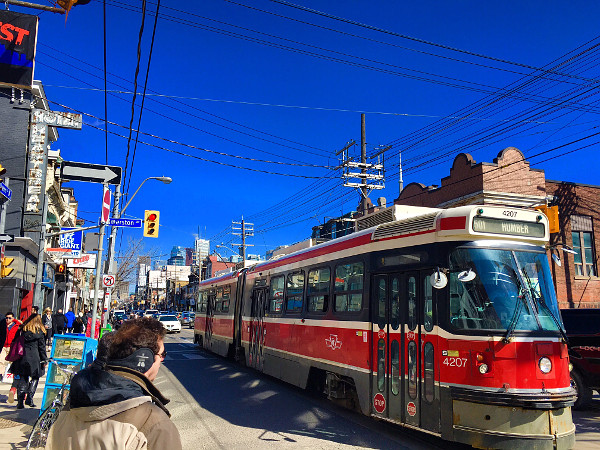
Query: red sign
{"points": [[105, 205], [411, 409], [379, 403], [410, 335], [381, 334]]}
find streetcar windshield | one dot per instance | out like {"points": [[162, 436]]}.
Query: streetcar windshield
{"points": [[512, 290]]}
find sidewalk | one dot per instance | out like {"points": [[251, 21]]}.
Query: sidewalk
{"points": [[16, 424]]}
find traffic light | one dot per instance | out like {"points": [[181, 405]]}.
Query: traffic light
{"points": [[552, 214], [2, 172], [60, 273], [151, 223], [5, 269]]}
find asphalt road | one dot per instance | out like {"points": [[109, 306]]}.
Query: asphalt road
{"points": [[216, 403]]}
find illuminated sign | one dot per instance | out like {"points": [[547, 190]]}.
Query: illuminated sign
{"points": [[511, 227], [18, 35]]}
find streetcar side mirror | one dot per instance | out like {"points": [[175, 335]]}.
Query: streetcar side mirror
{"points": [[466, 275], [438, 279]]}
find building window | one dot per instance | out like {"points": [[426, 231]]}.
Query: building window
{"points": [[583, 244]]}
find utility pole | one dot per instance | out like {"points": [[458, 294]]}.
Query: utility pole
{"points": [[368, 171], [246, 229], [110, 257], [363, 160], [98, 276]]}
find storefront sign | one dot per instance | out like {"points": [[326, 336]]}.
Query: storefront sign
{"points": [[18, 35]]}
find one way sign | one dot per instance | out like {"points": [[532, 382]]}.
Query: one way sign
{"points": [[92, 173]]}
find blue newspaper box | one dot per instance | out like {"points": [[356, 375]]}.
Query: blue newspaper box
{"points": [[71, 351]]}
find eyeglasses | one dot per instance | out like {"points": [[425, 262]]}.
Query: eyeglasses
{"points": [[162, 355]]}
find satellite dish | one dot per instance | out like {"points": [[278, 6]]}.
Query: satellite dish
{"points": [[466, 275], [556, 260], [438, 280]]}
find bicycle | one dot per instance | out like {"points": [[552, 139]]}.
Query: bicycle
{"points": [[41, 428]]}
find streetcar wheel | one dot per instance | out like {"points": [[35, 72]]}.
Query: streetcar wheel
{"points": [[584, 393]]}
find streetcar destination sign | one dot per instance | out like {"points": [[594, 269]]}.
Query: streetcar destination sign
{"points": [[512, 227], [131, 223]]}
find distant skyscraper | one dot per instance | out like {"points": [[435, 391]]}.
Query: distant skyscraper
{"points": [[202, 250], [177, 256]]}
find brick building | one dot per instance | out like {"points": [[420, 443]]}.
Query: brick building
{"points": [[510, 181]]}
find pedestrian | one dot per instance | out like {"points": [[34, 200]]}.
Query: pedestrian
{"points": [[47, 321], [59, 322], [119, 405], [78, 326], [11, 325], [31, 366], [70, 316], [35, 310]]}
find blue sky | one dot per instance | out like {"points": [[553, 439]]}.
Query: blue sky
{"points": [[298, 100]]}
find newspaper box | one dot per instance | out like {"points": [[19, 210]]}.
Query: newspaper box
{"points": [[71, 351]]}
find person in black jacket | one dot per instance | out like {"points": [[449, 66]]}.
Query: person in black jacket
{"points": [[31, 366], [59, 322]]}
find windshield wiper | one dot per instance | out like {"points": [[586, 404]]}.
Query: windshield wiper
{"points": [[537, 303], [513, 320]]}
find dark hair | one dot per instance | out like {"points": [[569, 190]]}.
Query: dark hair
{"points": [[10, 313], [104, 346], [135, 334]]}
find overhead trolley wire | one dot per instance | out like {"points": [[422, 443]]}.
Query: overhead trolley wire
{"points": [[422, 41], [143, 95]]}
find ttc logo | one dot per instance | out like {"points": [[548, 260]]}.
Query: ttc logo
{"points": [[333, 342]]}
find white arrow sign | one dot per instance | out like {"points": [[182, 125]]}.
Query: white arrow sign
{"points": [[94, 173]]}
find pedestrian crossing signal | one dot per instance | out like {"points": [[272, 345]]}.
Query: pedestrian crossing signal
{"points": [[151, 223]]}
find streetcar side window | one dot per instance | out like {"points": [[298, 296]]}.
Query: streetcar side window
{"points": [[276, 294], [202, 300], [427, 305], [317, 289], [411, 291], [429, 385], [225, 299], [349, 287], [294, 292]]}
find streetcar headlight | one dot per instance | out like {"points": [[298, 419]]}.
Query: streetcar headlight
{"points": [[545, 364], [570, 367], [483, 368]]}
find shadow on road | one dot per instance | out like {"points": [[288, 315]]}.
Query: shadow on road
{"points": [[246, 398]]}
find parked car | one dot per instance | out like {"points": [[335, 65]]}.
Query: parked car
{"points": [[171, 323], [583, 330]]}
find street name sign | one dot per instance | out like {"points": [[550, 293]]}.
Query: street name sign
{"points": [[130, 223], [4, 190], [91, 173]]}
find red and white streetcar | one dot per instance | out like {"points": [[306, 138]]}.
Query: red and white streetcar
{"points": [[445, 321]]}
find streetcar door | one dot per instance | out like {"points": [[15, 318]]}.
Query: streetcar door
{"points": [[421, 400], [210, 315], [412, 349], [257, 329], [387, 345]]}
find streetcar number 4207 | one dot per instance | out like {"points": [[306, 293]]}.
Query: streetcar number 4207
{"points": [[455, 362]]}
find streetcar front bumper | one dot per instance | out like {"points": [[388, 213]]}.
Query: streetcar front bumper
{"points": [[514, 426]]}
